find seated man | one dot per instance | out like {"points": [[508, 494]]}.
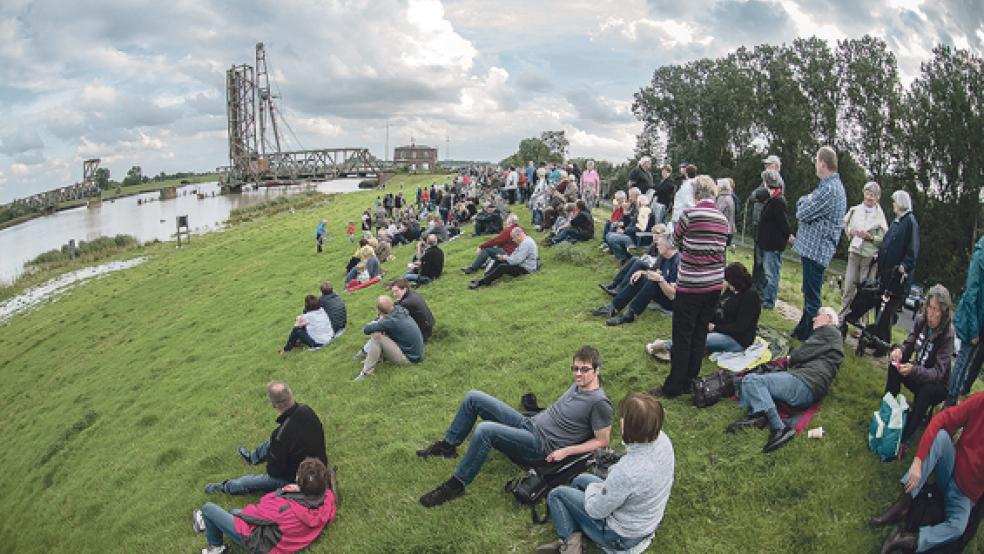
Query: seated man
{"points": [[488, 222], [415, 304], [810, 369], [437, 227], [298, 511], [646, 285], [636, 263], [495, 246], [959, 471], [579, 421], [523, 260], [395, 337], [334, 306], [429, 264], [579, 228], [298, 435]]}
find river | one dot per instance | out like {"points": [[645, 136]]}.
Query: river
{"points": [[144, 216]]}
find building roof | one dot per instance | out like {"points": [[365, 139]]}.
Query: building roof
{"points": [[417, 147]]}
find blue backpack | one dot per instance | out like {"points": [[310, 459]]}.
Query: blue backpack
{"points": [[885, 430]]}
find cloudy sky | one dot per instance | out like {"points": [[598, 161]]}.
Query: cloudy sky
{"points": [[139, 82]]}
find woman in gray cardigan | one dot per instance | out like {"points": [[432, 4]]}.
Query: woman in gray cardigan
{"points": [[625, 509]]}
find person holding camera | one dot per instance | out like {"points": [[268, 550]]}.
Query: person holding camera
{"points": [[624, 509]]}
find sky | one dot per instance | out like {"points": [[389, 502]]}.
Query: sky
{"points": [[137, 82]]}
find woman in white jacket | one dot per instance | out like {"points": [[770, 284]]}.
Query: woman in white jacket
{"points": [[625, 509]]}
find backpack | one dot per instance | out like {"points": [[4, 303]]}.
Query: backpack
{"points": [[539, 480], [885, 430], [709, 389]]}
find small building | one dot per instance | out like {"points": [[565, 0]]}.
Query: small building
{"points": [[416, 157]]}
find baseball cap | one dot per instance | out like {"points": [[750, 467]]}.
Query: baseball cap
{"points": [[772, 179], [772, 159]]}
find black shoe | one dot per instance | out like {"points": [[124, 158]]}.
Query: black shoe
{"points": [[894, 514], [448, 490], [660, 392], [604, 311], [627, 317], [779, 438], [749, 422], [901, 541], [607, 289], [474, 285], [843, 330], [439, 448], [467, 270]]}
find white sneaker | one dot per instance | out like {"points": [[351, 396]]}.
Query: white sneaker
{"points": [[197, 521], [363, 374], [214, 549]]}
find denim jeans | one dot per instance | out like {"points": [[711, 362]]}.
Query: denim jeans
{"points": [[812, 283], [956, 506], [569, 516], [566, 235], [759, 393], [484, 255], [605, 229], [504, 429], [536, 216], [417, 278], [621, 279], [257, 482], [717, 342], [638, 295], [965, 369], [619, 244], [300, 334], [771, 267], [219, 522], [352, 274]]}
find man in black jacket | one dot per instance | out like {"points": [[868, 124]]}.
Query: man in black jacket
{"points": [[299, 435], [415, 304], [640, 177], [665, 191], [428, 266], [334, 306], [772, 236]]}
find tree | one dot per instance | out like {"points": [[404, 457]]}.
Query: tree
{"points": [[557, 142], [532, 150], [102, 178], [134, 176]]}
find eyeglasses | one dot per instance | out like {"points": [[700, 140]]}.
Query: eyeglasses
{"points": [[581, 369]]}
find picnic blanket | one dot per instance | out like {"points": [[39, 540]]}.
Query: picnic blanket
{"points": [[798, 419], [355, 285], [756, 354]]}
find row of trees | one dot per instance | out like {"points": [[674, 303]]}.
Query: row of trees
{"points": [[724, 114]]}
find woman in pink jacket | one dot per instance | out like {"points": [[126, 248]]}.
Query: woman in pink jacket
{"points": [[284, 521]]}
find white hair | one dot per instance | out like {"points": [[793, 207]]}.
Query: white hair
{"points": [[634, 190], [643, 200], [620, 195], [512, 220], [724, 185], [590, 164], [902, 199], [644, 159], [834, 319]]}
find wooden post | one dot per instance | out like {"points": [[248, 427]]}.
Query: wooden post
{"points": [[182, 222]]}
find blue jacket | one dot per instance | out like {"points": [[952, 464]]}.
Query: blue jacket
{"points": [[821, 218], [969, 317], [899, 247]]}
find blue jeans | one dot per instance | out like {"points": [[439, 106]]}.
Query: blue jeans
{"points": [[965, 369], [352, 274], [537, 216], [638, 295], [417, 278], [256, 482], [619, 244], [300, 334], [566, 235], [812, 283], [956, 505], [569, 516], [605, 229], [219, 522], [484, 255], [621, 279], [717, 342], [759, 393], [771, 266], [504, 429]]}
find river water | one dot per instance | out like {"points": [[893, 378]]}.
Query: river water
{"points": [[143, 216]]}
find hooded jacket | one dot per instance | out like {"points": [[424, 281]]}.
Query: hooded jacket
{"points": [[284, 521], [817, 360]]}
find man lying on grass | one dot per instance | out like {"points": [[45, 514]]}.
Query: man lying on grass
{"points": [[579, 421], [299, 435]]}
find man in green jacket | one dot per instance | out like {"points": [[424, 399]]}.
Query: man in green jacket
{"points": [[969, 324], [809, 371]]}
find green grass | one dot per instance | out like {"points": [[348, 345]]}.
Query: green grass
{"points": [[127, 395]]}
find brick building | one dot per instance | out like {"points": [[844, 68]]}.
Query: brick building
{"points": [[415, 156]]}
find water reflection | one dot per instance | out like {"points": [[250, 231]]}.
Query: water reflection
{"points": [[143, 216]]}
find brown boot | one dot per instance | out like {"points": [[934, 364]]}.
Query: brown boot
{"points": [[901, 541], [550, 548], [573, 544], [895, 513]]}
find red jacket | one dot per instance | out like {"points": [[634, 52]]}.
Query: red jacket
{"points": [[969, 466], [502, 240], [299, 524], [616, 214]]}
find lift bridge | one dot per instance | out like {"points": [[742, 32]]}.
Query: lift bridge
{"points": [[256, 141]]}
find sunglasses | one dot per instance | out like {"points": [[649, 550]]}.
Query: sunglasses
{"points": [[581, 369]]}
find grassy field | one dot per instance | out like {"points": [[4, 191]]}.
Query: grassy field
{"points": [[130, 393]]}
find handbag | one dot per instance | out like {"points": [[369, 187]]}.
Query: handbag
{"points": [[539, 480], [709, 389]]}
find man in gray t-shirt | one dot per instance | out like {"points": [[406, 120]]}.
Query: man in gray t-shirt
{"points": [[579, 421]]}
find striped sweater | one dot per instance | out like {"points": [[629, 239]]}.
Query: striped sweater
{"points": [[700, 235]]}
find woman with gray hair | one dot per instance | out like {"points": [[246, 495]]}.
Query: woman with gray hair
{"points": [[922, 363], [865, 226], [725, 202], [897, 257]]}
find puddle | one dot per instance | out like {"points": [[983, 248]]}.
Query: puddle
{"points": [[49, 290]]}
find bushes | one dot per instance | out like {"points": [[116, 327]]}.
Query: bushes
{"points": [[86, 251], [278, 205]]}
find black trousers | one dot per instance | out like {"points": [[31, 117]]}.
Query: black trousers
{"points": [[500, 269], [927, 395], [691, 314]]}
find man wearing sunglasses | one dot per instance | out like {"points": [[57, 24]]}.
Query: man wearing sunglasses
{"points": [[579, 421]]}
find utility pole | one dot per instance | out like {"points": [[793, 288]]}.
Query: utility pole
{"points": [[386, 149], [447, 147]]}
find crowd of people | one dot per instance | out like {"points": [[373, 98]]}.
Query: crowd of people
{"points": [[671, 241]]}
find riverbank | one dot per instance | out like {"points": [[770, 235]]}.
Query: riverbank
{"points": [[131, 392], [113, 194]]}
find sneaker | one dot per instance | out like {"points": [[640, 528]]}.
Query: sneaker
{"points": [[778, 438], [314, 348], [550, 548], [467, 270], [247, 456], [360, 355], [749, 422], [214, 549], [448, 490], [197, 521], [439, 448], [627, 317], [474, 285], [363, 374], [604, 311], [655, 347], [213, 488]]}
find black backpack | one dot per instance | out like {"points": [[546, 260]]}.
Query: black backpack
{"points": [[709, 389], [540, 479]]}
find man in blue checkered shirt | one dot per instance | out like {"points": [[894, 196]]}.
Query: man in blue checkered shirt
{"points": [[821, 217]]}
